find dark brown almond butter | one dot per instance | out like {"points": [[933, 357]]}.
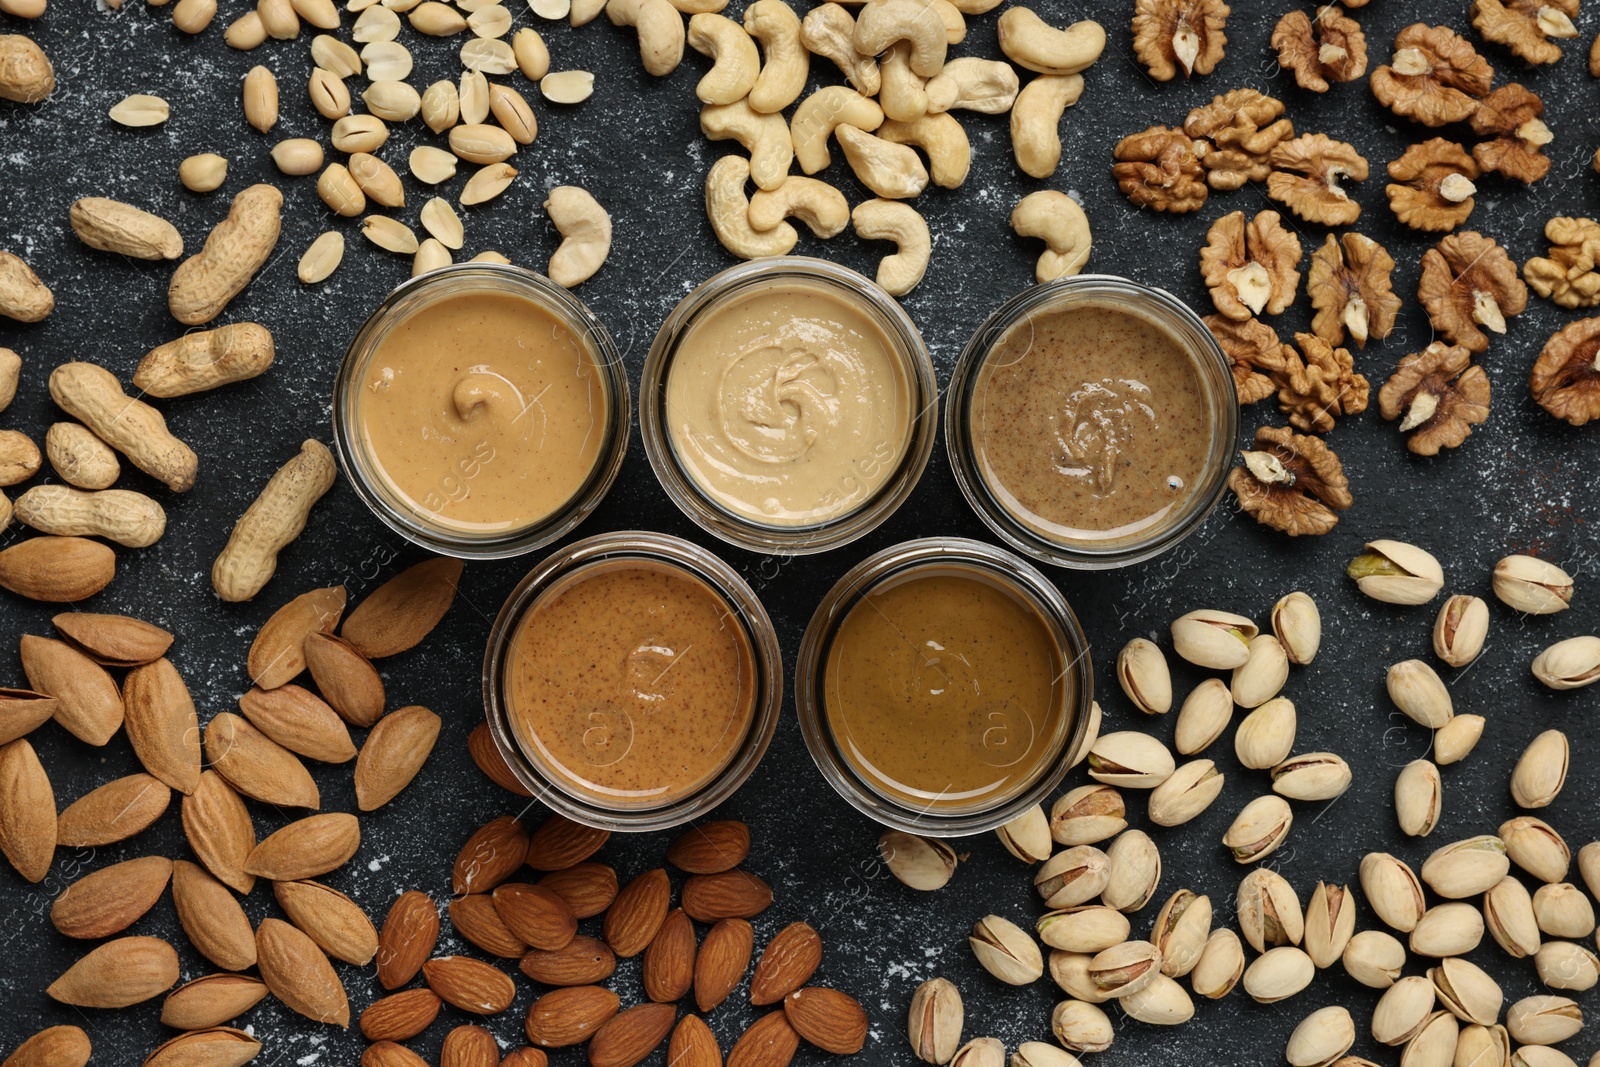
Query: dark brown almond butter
{"points": [[390, 1054], [113, 812], [88, 703], [258, 766], [486, 754], [400, 1016], [569, 1016], [584, 961], [833, 1021], [769, 1042], [525, 1056], [110, 900], [410, 931], [588, 888], [720, 964], [334, 921], [27, 811], [638, 912], [735, 894], [306, 848], [476, 918], [54, 1046], [57, 570], [469, 1046], [113, 640], [788, 963], [560, 843], [669, 960], [211, 1001], [491, 855], [277, 654], [470, 984], [631, 1035], [537, 916], [217, 1046], [346, 679], [300, 721], [219, 831], [162, 724], [393, 754], [23, 711], [118, 973], [298, 974], [710, 848], [402, 611], [693, 1044], [213, 920]]}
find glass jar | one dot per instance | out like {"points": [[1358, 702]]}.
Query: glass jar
{"points": [[418, 464], [623, 756], [781, 360], [977, 648], [1085, 429]]}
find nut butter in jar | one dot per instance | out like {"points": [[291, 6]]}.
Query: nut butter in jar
{"points": [[788, 405], [481, 411], [1091, 422], [632, 681], [941, 685]]}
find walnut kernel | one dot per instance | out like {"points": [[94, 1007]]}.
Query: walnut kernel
{"points": [[1251, 268], [1570, 275], [1327, 48], [1319, 384], [1305, 176], [1243, 127], [1160, 169], [1253, 352], [1566, 377], [1169, 35], [1434, 76], [1439, 395], [1526, 26], [1291, 482], [1349, 285], [1511, 117], [1433, 188], [1469, 285]]}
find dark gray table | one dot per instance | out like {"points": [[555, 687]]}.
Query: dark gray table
{"points": [[1523, 482]]}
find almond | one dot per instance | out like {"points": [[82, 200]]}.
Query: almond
{"points": [[162, 724], [216, 924], [588, 888], [409, 933], [300, 721], [570, 1016], [480, 743], [833, 1021], [218, 827], [721, 962], [394, 752], [58, 570], [669, 959], [404, 610], [788, 963], [54, 1046], [536, 915], [110, 900], [525, 1056], [769, 1042], [88, 705], [112, 812], [710, 849], [476, 918], [693, 1044], [258, 766], [27, 811], [114, 640], [560, 843], [23, 711], [218, 1046], [469, 984], [632, 1035], [298, 974], [211, 1001], [491, 855], [735, 894], [347, 680], [306, 848], [389, 1054], [584, 961], [400, 1016], [277, 655], [638, 912], [334, 921], [118, 973], [469, 1046]]}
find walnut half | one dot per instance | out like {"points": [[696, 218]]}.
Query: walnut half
{"points": [[1439, 395], [1566, 377], [1160, 169], [1305, 176], [1254, 352], [1327, 48], [1350, 289], [1433, 187], [1434, 76], [1570, 276], [1291, 482], [1469, 285], [1318, 384], [1173, 35], [1251, 268], [1526, 26], [1511, 117], [1243, 126]]}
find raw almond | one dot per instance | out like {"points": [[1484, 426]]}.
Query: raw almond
{"points": [[584, 961], [118, 973], [218, 1046], [306, 848], [211, 1001], [720, 964], [588, 888], [536, 915], [347, 680], [476, 918], [710, 849], [769, 1042], [297, 972], [632, 1035], [669, 960], [300, 721], [390, 1054], [788, 963], [833, 1021], [277, 654], [480, 743], [88, 704], [409, 933], [526, 1056], [404, 610], [693, 1044], [570, 1016], [393, 754], [469, 1046], [110, 900], [216, 924], [334, 921], [257, 766], [638, 912], [400, 1016], [162, 724], [113, 812], [491, 855], [559, 843], [54, 1046], [27, 811], [735, 894], [114, 640], [219, 831], [23, 711], [57, 570], [469, 984]]}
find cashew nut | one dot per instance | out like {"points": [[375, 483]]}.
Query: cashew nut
{"points": [[1057, 218], [1029, 41], [735, 61], [783, 77], [94, 397], [829, 31], [1036, 121], [942, 138], [816, 118], [119, 515], [816, 203], [275, 518], [883, 22], [765, 137], [699, 7], [586, 235], [986, 85], [660, 31], [890, 170], [903, 95], [729, 212], [975, 7], [890, 220], [955, 24]]}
